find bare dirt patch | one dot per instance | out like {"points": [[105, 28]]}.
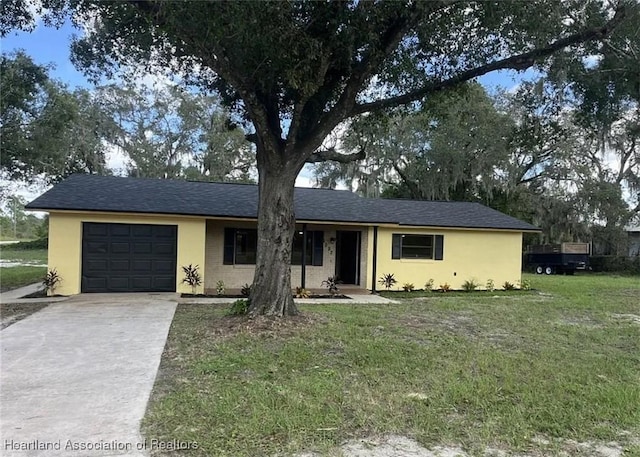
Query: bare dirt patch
{"points": [[580, 321], [10, 313], [401, 446], [633, 318], [231, 326]]}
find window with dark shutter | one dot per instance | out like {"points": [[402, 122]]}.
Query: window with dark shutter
{"points": [[413, 246], [315, 240], [229, 243], [246, 246], [439, 255], [297, 248], [240, 246], [417, 247], [318, 247], [396, 246]]}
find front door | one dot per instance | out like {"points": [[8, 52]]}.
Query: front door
{"points": [[348, 257]]}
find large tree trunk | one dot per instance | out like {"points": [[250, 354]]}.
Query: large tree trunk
{"points": [[271, 289]]}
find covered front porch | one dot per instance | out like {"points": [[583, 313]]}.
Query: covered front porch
{"points": [[319, 252]]}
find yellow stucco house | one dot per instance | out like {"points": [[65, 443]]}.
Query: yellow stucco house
{"points": [[112, 234]]}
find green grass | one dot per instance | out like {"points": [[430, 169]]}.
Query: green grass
{"points": [[25, 256], [14, 277], [472, 370]]}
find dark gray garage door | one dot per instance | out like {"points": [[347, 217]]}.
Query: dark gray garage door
{"points": [[128, 257]]}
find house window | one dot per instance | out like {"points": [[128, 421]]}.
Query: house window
{"points": [[417, 247], [296, 251], [240, 247], [410, 246], [314, 249], [246, 246]]}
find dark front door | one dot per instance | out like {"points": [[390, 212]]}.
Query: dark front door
{"points": [[348, 257], [128, 257]]}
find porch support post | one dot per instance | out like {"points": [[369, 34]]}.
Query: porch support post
{"points": [[303, 272], [375, 259]]}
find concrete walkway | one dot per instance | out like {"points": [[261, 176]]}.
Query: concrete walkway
{"points": [[15, 295], [76, 376], [11, 296]]}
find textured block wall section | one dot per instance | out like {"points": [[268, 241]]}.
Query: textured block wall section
{"points": [[235, 276]]}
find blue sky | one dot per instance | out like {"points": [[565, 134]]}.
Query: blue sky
{"points": [[48, 45]]}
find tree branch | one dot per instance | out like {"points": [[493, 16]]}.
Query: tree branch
{"points": [[518, 62], [414, 190], [331, 154], [388, 40], [217, 59]]}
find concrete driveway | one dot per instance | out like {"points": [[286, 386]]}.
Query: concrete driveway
{"points": [[76, 377]]}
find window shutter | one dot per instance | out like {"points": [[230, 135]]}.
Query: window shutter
{"points": [[229, 245], [439, 249], [396, 247], [318, 247]]}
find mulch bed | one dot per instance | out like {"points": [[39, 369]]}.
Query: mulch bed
{"points": [[184, 295], [41, 294], [325, 296], [339, 296], [280, 327]]}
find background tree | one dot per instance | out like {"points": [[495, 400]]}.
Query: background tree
{"points": [[451, 147], [526, 153], [606, 85], [297, 70], [47, 131], [168, 132], [16, 224]]}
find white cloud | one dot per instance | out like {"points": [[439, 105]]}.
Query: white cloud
{"points": [[591, 61], [302, 181], [116, 161], [306, 179], [27, 191], [37, 11]]}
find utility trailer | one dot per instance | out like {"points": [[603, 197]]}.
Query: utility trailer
{"points": [[558, 258]]}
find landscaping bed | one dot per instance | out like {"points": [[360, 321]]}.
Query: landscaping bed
{"points": [[317, 296], [186, 295], [421, 293]]}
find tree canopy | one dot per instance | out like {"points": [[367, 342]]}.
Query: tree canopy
{"points": [[168, 132], [46, 129]]}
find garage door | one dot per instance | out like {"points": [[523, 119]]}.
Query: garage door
{"points": [[128, 257]]}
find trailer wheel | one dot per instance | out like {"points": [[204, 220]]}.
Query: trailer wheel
{"points": [[539, 270], [548, 270]]}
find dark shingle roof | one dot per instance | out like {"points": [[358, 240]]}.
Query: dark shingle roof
{"points": [[135, 195]]}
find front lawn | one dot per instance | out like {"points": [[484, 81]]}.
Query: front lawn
{"points": [[28, 272], [14, 277], [517, 372], [35, 256]]}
